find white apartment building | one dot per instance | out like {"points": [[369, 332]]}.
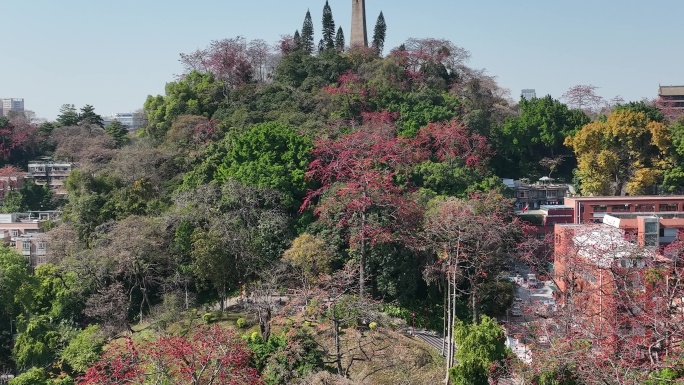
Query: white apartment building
{"points": [[126, 118], [11, 104]]}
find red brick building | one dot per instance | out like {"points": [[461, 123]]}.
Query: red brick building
{"points": [[593, 209], [602, 277]]}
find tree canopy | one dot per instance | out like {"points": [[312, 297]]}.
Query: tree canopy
{"points": [[626, 153]]}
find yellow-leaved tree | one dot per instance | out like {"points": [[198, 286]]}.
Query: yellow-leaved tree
{"points": [[624, 153], [309, 257]]}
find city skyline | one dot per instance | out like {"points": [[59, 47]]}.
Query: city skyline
{"points": [[112, 55]]}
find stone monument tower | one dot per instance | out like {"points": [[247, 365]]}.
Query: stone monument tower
{"points": [[358, 27]]}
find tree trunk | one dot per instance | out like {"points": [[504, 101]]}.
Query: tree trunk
{"points": [[445, 314], [451, 348], [338, 348], [473, 301], [222, 297], [447, 334], [265, 323], [362, 262], [187, 297]]}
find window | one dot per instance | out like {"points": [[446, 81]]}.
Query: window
{"points": [[522, 194], [619, 208], [551, 193], [599, 208], [14, 232], [625, 263], [642, 208], [651, 240], [651, 227], [668, 207], [41, 245], [26, 245]]}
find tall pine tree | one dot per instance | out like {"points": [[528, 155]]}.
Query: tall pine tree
{"points": [[297, 40], [379, 33], [328, 27], [308, 34], [339, 40], [67, 115], [88, 116]]}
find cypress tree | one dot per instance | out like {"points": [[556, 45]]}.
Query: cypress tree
{"points": [[339, 40], [308, 34], [379, 33], [297, 40], [328, 27], [321, 46]]}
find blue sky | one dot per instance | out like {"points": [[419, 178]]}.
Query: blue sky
{"points": [[113, 53]]}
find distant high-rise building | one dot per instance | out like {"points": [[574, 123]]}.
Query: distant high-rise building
{"points": [[359, 36], [11, 105], [528, 94]]}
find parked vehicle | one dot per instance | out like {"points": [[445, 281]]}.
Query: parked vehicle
{"points": [[532, 281]]}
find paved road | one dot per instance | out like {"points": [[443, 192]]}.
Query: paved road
{"points": [[431, 338]]}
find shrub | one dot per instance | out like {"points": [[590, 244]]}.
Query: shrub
{"points": [[240, 322], [208, 318], [85, 349]]}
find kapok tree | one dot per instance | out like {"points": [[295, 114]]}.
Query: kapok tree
{"points": [[18, 139], [207, 355], [583, 97], [362, 177], [351, 91], [471, 239], [620, 318]]}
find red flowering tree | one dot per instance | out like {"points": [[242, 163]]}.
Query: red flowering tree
{"points": [[363, 177], [351, 90], [19, 138], [620, 318], [207, 355], [472, 238]]}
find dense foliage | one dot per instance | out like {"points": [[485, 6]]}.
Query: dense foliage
{"points": [[297, 170]]}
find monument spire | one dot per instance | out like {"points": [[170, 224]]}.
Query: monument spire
{"points": [[358, 27]]}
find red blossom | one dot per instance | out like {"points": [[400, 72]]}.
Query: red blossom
{"points": [[206, 355]]}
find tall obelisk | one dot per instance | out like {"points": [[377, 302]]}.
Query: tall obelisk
{"points": [[358, 27]]}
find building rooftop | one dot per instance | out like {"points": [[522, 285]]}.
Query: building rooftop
{"points": [[671, 91], [603, 244], [555, 207], [628, 198]]}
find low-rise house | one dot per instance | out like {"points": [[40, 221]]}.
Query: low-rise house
{"points": [[531, 196], [33, 247], [26, 233], [52, 173]]}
